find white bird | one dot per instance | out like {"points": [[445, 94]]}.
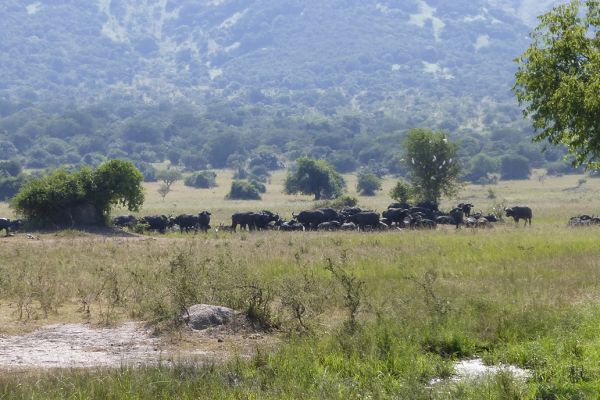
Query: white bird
{"points": [[413, 161], [434, 158]]}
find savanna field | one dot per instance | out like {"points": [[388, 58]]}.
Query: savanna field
{"points": [[345, 314]]}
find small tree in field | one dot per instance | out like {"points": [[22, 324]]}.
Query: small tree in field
{"points": [[168, 177], [82, 197], [315, 177], [432, 161], [368, 183], [402, 192]]}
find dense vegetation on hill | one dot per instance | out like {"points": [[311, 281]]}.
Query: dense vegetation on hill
{"points": [[198, 82]]}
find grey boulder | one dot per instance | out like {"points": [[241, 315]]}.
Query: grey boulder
{"points": [[202, 316]]}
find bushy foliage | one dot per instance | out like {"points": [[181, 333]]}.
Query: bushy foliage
{"points": [[243, 190], [314, 177], [481, 167], [59, 197], [402, 192], [433, 163], [368, 183], [514, 166], [557, 81], [201, 180]]}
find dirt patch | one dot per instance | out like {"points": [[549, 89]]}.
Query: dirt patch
{"points": [[131, 344]]}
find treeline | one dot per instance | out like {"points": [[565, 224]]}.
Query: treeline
{"points": [[231, 134]]}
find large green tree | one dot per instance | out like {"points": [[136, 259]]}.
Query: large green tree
{"points": [[432, 161], [558, 80], [314, 177], [82, 197]]}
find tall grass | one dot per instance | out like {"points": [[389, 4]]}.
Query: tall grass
{"points": [[416, 301]]}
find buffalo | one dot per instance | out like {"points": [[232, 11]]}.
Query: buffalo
{"points": [[122, 221], [395, 215], [10, 225], [401, 205], [187, 222], [364, 219], [158, 223], [520, 212], [466, 208], [253, 220], [329, 226], [204, 221]]}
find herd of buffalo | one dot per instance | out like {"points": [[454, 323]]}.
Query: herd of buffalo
{"points": [[398, 216]]}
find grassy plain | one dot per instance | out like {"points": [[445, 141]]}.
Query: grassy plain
{"points": [[528, 297]]}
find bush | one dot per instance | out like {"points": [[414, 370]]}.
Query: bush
{"points": [[368, 183], [85, 197], [481, 167], [201, 180], [515, 167], [402, 192], [243, 190]]}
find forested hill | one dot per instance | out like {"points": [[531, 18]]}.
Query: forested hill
{"points": [[365, 53], [333, 79]]}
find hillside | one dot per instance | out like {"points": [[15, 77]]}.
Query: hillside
{"points": [[287, 69]]}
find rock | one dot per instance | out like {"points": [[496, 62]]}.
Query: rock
{"points": [[202, 316]]}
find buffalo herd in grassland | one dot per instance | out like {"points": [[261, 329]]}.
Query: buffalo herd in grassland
{"points": [[425, 215]]}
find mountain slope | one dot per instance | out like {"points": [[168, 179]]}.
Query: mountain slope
{"points": [[372, 48]]}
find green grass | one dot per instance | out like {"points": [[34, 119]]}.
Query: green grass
{"points": [[528, 297]]}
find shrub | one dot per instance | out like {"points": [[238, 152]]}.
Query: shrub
{"points": [[515, 167], [402, 192], [243, 190], [201, 180], [83, 197], [368, 183], [316, 177]]}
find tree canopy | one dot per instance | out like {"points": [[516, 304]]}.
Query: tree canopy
{"points": [[433, 164], [558, 80], [81, 197], [314, 177]]}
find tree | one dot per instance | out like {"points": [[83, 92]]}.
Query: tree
{"points": [[402, 192], [558, 80], [168, 177], [432, 161], [315, 177], [368, 183], [514, 166], [82, 197]]}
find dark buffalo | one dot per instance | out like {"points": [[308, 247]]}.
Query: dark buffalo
{"points": [[458, 215], [403, 206], [122, 221], [187, 222], [429, 205], [204, 221], [444, 220], [253, 220], [466, 208], [364, 219], [428, 213], [520, 212], [10, 225], [292, 226], [491, 218], [310, 218], [395, 215], [158, 223], [348, 226], [329, 226]]}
